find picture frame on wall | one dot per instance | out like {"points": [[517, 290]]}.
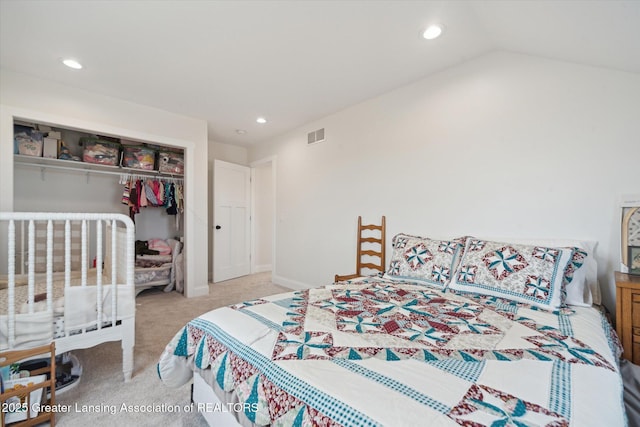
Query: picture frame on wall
{"points": [[634, 260], [630, 228]]}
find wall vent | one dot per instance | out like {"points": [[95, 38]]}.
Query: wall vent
{"points": [[315, 136]]}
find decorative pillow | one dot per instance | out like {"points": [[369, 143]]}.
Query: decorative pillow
{"points": [[576, 291], [583, 290], [523, 273], [423, 260], [159, 245]]}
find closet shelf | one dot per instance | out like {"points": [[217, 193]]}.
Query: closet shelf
{"points": [[83, 167]]}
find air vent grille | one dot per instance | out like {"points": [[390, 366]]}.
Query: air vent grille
{"points": [[315, 136]]}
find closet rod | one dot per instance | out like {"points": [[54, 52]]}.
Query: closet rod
{"points": [[120, 172]]}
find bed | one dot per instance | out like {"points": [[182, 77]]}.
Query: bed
{"points": [[68, 301], [466, 331]]}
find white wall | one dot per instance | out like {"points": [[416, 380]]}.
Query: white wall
{"points": [[65, 191], [504, 145], [228, 153], [42, 101]]}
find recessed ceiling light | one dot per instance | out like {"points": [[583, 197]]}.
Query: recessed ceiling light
{"points": [[72, 63], [241, 131], [432, 32], [261, 120]]}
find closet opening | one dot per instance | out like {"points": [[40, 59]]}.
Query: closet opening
{"points": [[62, 169]]}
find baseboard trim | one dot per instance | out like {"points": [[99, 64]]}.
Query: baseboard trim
{"points": [[262, 268], [291, 284], [197, 292]]}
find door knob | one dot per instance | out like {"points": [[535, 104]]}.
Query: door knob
{"points": [[218, 227]]}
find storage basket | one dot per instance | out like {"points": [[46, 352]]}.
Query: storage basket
{"points": [[28, 141]]}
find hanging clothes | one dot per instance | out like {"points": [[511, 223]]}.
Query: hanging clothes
{"points": [[158, 190], [179, 198], [139, 193], [126, 193], [150, 194], [143, 195], [172, 208], [167, 195]]}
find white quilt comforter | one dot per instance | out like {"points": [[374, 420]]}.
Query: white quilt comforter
{"points": [[398, 354]]}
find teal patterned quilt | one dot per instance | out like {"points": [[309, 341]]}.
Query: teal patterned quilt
{"points": [[377, 352]]}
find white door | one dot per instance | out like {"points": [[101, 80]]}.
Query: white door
{"points": [[231, 234]]}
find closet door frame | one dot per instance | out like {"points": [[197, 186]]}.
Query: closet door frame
{"points": [[257, 221]]}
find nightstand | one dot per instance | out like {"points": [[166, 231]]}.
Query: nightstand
{"points": [[628, 315]]}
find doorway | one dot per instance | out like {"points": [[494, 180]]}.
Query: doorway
{"points": [[263, 215]]}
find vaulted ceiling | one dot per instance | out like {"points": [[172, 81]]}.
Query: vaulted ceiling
{"points": [[229, 62]]}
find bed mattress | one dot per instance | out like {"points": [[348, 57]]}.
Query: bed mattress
{"points": [[21, 290], [43, 325], [394, 353]]}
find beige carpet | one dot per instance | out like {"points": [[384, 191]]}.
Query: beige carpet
{"points": [[159, 316]]}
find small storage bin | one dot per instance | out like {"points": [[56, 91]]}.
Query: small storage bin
{"points": [[153, 275], [138, 157], [27, 141], [100, 152], [171, 162]]}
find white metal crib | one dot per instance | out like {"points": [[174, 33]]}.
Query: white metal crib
{"points": [[77, 309]]}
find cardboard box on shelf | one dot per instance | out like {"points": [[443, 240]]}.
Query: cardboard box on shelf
{"points": [[50, 148]]}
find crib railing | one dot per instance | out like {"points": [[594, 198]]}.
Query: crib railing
{"points": [[97, 222], [42, 230]]}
